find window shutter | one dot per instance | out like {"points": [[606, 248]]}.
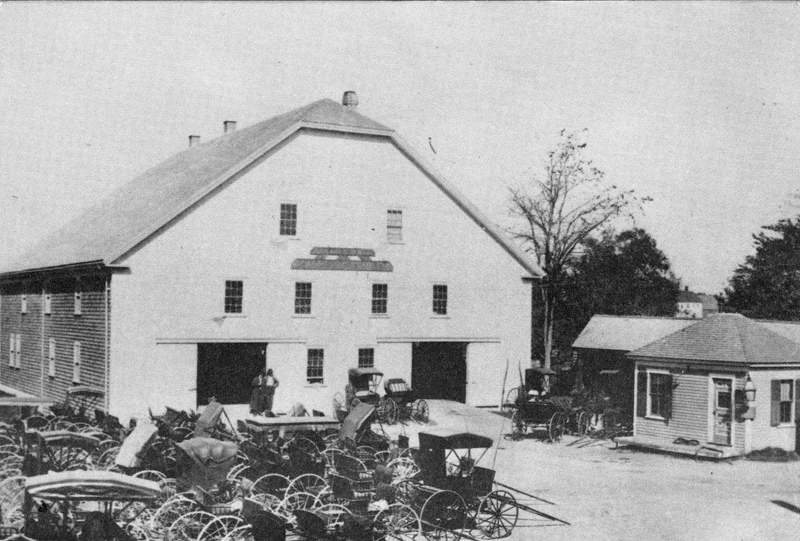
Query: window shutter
{"points": [[641, 394], [797, 401], [668, 397], [775, 411]]}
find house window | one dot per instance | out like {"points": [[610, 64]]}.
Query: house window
{"points": [[659, 389], [48, 303], [288, 219], [366, 358], [51, 357], [394, 225], [782, 402], [18, 360], [12, 349], [380, 298], [233, 296], [76, 362], [786, 402], [440, 300], [316, 358], [78, 299], [302, 298], [23, 306]]}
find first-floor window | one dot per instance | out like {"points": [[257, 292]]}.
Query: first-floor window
{"points": [[782, 401], [48, 303], [24, 305], [366, 358], [380, 298], [234, 291], [51, 358], [440, 300], [302, 298], [18, 356], [314, 369], [659, 388], [12, 348], [76, 362]]}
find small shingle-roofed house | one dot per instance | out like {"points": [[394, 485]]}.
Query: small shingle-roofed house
{"points": [[309, 243], [690, 388], [689, 304], [601, 349]]}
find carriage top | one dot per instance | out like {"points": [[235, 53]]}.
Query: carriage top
{"points": [[358, 419], [98, 485], [446, 440]]}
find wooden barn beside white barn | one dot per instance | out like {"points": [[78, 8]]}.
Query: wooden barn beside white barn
{"points": [[309, 243]]}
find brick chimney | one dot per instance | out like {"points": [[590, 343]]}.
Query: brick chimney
{"points": [[194, 140], [229, 126], [350, 100]]}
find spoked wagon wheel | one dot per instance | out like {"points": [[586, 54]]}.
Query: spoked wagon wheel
{"points": [[295, 501], [307, 483], [396, 522], [497, 514], [403, 469], [12, 498], [443, 516], [511, 398], [406, 492], [556, 426], [421, 412], [188, 527], [517, 425], [582, 424], [219, 528], [389, 410], [338, 404]]}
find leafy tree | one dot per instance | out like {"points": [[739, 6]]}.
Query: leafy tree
{"points": [[767, 285], [619, 274], [558, 213]]}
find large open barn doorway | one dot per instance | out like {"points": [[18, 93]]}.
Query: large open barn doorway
{"points": [[439, 370], [225, 371]]}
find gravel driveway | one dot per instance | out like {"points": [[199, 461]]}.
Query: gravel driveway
{"points": [[621, 494]]}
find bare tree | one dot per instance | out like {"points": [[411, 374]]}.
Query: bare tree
{"points": [[558, 212]]}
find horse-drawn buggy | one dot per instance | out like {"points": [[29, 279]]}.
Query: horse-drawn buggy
{"points": [[405, 402], [533, 407], [362, 387], [453, 496]]}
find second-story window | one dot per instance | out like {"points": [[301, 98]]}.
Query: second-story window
{"points": [[234, 291], [288, 224], [51, 358], [48, 303], [380, 298], [76, 362], [394, 225], [440, 300], [12, 348], [23, 308], [302, 298]]}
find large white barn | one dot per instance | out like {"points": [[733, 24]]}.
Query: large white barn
{"points": [[312, 242]]}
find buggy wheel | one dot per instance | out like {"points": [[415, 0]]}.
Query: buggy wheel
{"points": [[294, 501], [421, 411], [517, 425], [402, 469], [388, 411], [396, 522], [331, 455], [188, 527], [497, 514], [556, 426], [406, 492], [383, 457], [511, 398], [582, 424], [338, 404], [219, 528], [12, 498], [443, 516], [307, 482]]}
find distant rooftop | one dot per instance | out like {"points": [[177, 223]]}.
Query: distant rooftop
{"points": [[626, 333]]}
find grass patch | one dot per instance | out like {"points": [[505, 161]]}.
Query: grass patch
{"points": [[772, 454]]}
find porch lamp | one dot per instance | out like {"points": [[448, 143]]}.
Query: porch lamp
{"points": [[750, 397]]}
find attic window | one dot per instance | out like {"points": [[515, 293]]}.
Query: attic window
{"points": [[394, 226]]}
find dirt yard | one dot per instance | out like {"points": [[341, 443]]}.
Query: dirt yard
{"points": [[621, 494]]}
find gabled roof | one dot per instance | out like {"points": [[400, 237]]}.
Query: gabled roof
{"points": [[689, 296], [709, 302], [725, 338], [626, 333], [140, 208]]}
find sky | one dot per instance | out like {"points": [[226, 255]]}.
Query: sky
{"points": [[692, 104]]}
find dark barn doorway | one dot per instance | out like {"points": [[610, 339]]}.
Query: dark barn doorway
{"points": [[439, 370], [225, 371]]}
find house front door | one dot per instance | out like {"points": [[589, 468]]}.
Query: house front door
{"points": [[722, 411]]}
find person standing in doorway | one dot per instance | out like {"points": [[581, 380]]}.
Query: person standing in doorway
{"points": [[270, 384], [257, 397]]}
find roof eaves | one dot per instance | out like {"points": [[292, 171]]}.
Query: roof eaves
{"points": [[344, 129], [471, 210], [224, 177], [11, 275]]}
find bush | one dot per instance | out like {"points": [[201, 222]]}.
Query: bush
{"points": [[772, 454]]}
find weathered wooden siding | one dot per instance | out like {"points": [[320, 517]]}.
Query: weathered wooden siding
{"points": [[689, 412], [37, 328]]}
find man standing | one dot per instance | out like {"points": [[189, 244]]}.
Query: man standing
{"points": [[257, 393], [270, 383]]}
